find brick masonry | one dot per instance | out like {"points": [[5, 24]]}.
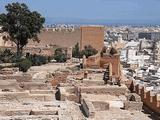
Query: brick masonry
{"points": [[100, 62], [92, 35], [150, 99]]}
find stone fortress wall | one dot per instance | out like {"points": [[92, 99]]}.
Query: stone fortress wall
{"points": [[92, 35], [53, 38], [149, 98], [63, 38]]}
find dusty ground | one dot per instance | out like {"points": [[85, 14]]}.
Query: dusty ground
{"points": [[51, 67], [48, 67]]}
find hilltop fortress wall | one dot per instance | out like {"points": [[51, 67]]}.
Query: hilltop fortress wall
{"points": [[61, 38], [65, 38], [149, 98]]}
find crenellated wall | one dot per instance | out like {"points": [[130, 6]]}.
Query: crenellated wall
{"points": [[149, 98]]}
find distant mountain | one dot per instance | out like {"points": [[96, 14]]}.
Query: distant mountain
{"points": [[61, 20]]}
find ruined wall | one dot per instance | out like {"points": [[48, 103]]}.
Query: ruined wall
{"points": [[92, 35], [93, 62], [49, 37], [60, 38], [88, 108], [150, 99], [115, 63], [100, 62], [86, 35], [68, 93], [133, 102], [111, 90], [19, 78]]}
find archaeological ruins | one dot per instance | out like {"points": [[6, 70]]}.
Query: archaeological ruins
{"points": [[64, 91]]}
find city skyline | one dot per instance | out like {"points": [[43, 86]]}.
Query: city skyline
{"points": [[95, 11]]}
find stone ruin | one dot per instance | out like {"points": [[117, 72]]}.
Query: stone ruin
{"points": [[25, 98], [64, 95], [94, 97]]}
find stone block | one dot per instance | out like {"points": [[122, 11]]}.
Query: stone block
{"points": [[116, 104], [112, 90], [42, 92], [35, 86], [88, 108], [100, 105], [72, 97], [132, 105], [44, 112], [15, 112]]}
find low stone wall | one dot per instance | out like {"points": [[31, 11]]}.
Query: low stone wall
{"points": [[88, 108], [42, 92], [10, 85], [14, 112], [93, 82], [48, 111], [19, 78], [112, 90], [93, 62], [29, 110], [31, 117], [34, 86], [12, 96], [132, 105], [24, 96], [133, 102], [68, 93], [72, 97]]}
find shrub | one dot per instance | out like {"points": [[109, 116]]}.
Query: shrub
{"points": [[76, 51], [60, 56], [24, 65], [38, 59], [88, 51]]}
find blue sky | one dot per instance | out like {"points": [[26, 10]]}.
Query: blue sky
{"points": [[140, 10]]}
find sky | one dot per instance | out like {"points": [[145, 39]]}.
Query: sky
{"points": [[111, 10]]}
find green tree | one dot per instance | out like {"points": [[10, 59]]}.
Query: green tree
{"points": [[21, 24], [59, 55], [6, 56], [76, 51], [88, 51]]}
